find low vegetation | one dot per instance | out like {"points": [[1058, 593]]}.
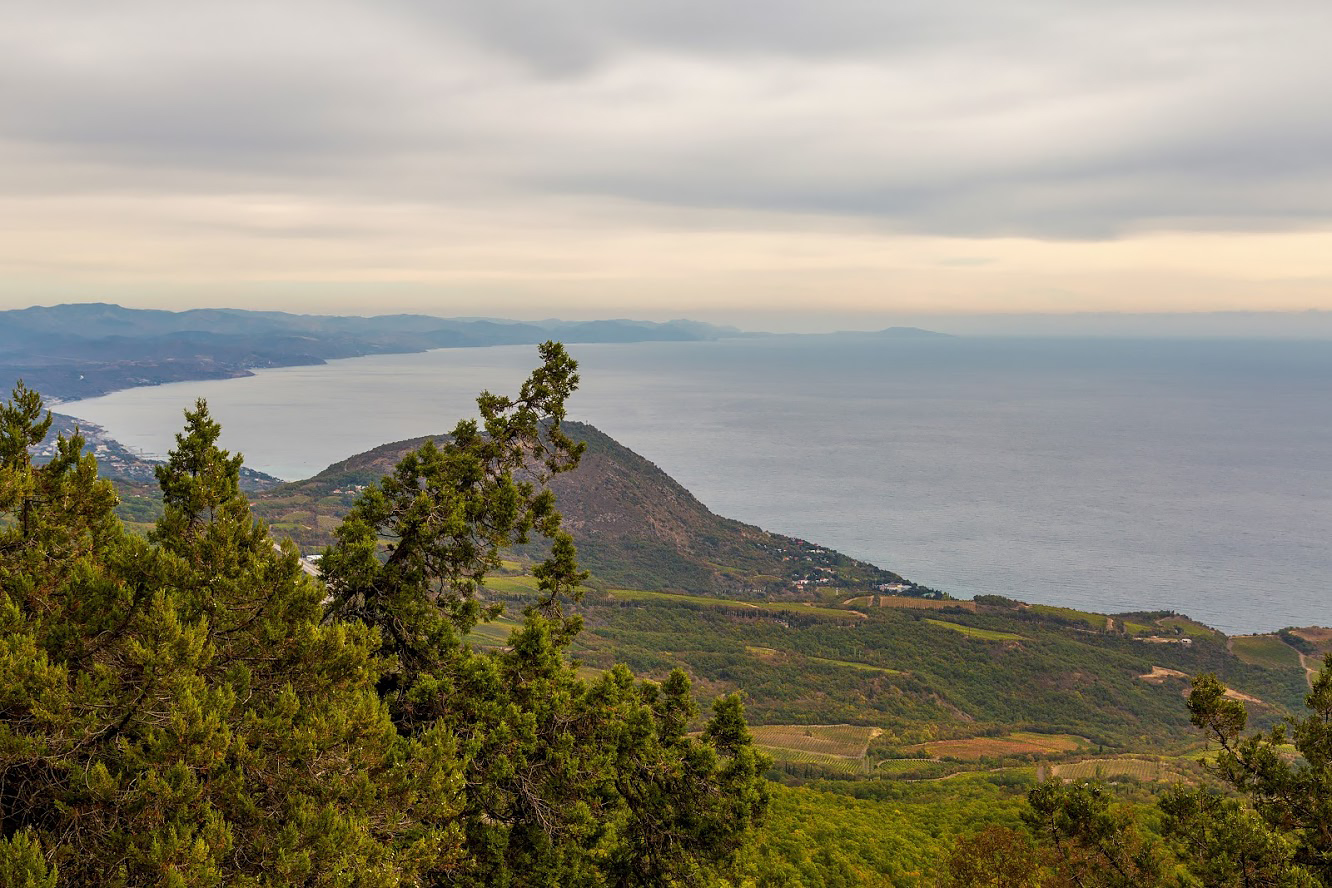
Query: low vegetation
{"points": [[1268, 651]]}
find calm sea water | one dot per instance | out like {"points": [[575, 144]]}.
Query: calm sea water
{"points": [[1111, 475]]}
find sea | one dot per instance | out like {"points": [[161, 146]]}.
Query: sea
{"points": [[1111, 475]]}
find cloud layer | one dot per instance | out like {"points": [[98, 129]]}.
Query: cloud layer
{"points": [[962, 119]]}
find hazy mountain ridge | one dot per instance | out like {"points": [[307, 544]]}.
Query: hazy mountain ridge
{"points": [[83, 350]]}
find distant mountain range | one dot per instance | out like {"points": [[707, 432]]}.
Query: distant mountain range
{"points": [[74, 351], [83, 350]]}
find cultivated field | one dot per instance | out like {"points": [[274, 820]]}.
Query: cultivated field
{"points": [[839, 748], [841, 741], [1138, 768], [915, 769], [521, 584], [860, 667], [1016, 743], [909, 602], [973, 632], [771, 655], [794, 608], [492, 634], [1267, 651], [1191, 628], [1088, 619]]}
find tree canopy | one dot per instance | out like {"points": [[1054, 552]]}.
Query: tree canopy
{"points": [[192, 709], [1266, 822]]}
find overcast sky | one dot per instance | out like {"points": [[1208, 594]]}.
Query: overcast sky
{"points": [[860, 160]]}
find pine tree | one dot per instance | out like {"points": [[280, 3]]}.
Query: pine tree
{"points": [[1268, 825], [191, 709], [567, 782], [1283, 835], [178, 714]]}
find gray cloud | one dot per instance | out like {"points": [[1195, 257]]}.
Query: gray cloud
{"points": [[964, 117]]}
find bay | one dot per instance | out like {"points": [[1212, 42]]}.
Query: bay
{"points": [[1112, 475]]}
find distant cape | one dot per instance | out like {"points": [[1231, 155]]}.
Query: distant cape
{"points": [[83, 350]]}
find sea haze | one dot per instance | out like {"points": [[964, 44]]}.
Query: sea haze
{"points": [[1112, 475]]}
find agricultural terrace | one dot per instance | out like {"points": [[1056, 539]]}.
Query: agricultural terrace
{"points": [[1142, 768], [523, 584], [1185, 626], [773, 608], [843, 741], [1267, 651], [772, 655], [1098, 622], [1014, 744], [493, 634], [973, 632], [840, 748], [908, 602]]}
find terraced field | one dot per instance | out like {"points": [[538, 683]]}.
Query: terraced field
{"points": [[1016, 743], [860, 667], [771, 655], [841, 747], [794, 608], [1090, 620], [1191, 628], [1146, 770], [493, 634], [973, 632], [914, 769], [1267, 651], [850, 741], [521, 584], [515, 585], [907, 601]]}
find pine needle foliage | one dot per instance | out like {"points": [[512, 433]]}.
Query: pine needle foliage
{"points": [[1265, 823], [193, 709]]}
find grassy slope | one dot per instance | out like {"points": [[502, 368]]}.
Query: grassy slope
{"points": [[901, 671]]}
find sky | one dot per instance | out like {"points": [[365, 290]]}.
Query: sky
{"points": [[776, 164]]}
